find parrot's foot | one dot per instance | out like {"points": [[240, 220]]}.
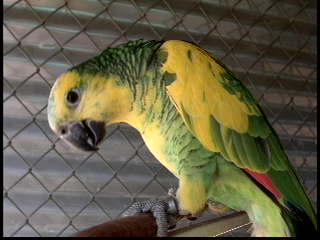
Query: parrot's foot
{"points": [[164, 211], [183, 214], [217, 207]]}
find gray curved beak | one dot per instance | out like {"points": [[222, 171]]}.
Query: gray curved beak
{"points": [[85, 135]]}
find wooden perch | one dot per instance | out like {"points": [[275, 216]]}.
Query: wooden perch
{"points": [[213, 227], [144, 225]]}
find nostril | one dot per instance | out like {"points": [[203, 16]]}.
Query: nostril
{"points": [[63, 130]]}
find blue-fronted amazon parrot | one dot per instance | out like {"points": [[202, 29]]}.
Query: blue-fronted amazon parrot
{"points": [[197, 119]]}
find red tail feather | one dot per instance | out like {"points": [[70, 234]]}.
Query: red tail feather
{"points": [[265, 180]]}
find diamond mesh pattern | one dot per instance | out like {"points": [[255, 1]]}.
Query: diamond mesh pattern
{"points": [[50, 190]]}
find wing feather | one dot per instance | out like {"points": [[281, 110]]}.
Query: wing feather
{"points": [[218, 101], [225, 118]]}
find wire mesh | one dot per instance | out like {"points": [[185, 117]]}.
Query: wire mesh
{"points": [[51, 190]]}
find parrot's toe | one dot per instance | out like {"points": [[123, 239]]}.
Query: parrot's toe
{"points": [[164, 212], [192, 218], [217, 207], [172, 192]]}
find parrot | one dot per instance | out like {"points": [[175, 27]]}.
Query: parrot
{"points": [[198, 120]]}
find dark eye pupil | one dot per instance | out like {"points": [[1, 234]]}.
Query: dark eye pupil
{"points": [[72, 97]]}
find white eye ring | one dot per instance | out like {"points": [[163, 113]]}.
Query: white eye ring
{"points": [[73, 97]]}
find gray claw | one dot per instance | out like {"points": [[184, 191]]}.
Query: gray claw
{"points": [[172, 192], [160, 209]]}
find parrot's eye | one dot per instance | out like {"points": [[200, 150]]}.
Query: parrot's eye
{"points": [[73, 97]]}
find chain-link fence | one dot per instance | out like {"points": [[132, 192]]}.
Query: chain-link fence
{"points": [[50, 190]]}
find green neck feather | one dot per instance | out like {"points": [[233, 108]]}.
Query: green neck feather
{"points": [[129, 61]]}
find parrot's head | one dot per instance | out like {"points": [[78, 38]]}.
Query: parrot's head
{"points": [[101, 91], [81, 104]]}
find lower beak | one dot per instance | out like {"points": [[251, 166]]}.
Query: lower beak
{"points": [[85, 135]]}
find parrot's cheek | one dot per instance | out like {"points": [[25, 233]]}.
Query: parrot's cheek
{"points": [[85, 135]]}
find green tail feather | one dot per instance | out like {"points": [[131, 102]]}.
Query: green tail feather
{"points": [[288, 181], [298, 222]]}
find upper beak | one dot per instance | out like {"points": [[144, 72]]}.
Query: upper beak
{"points": [[85, 135]]}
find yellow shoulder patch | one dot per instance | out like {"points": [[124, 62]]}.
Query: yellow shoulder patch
{"points": [[198, 93], [198, 89]]}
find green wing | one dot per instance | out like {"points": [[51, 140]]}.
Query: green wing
{"points": [[225, 117]]}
